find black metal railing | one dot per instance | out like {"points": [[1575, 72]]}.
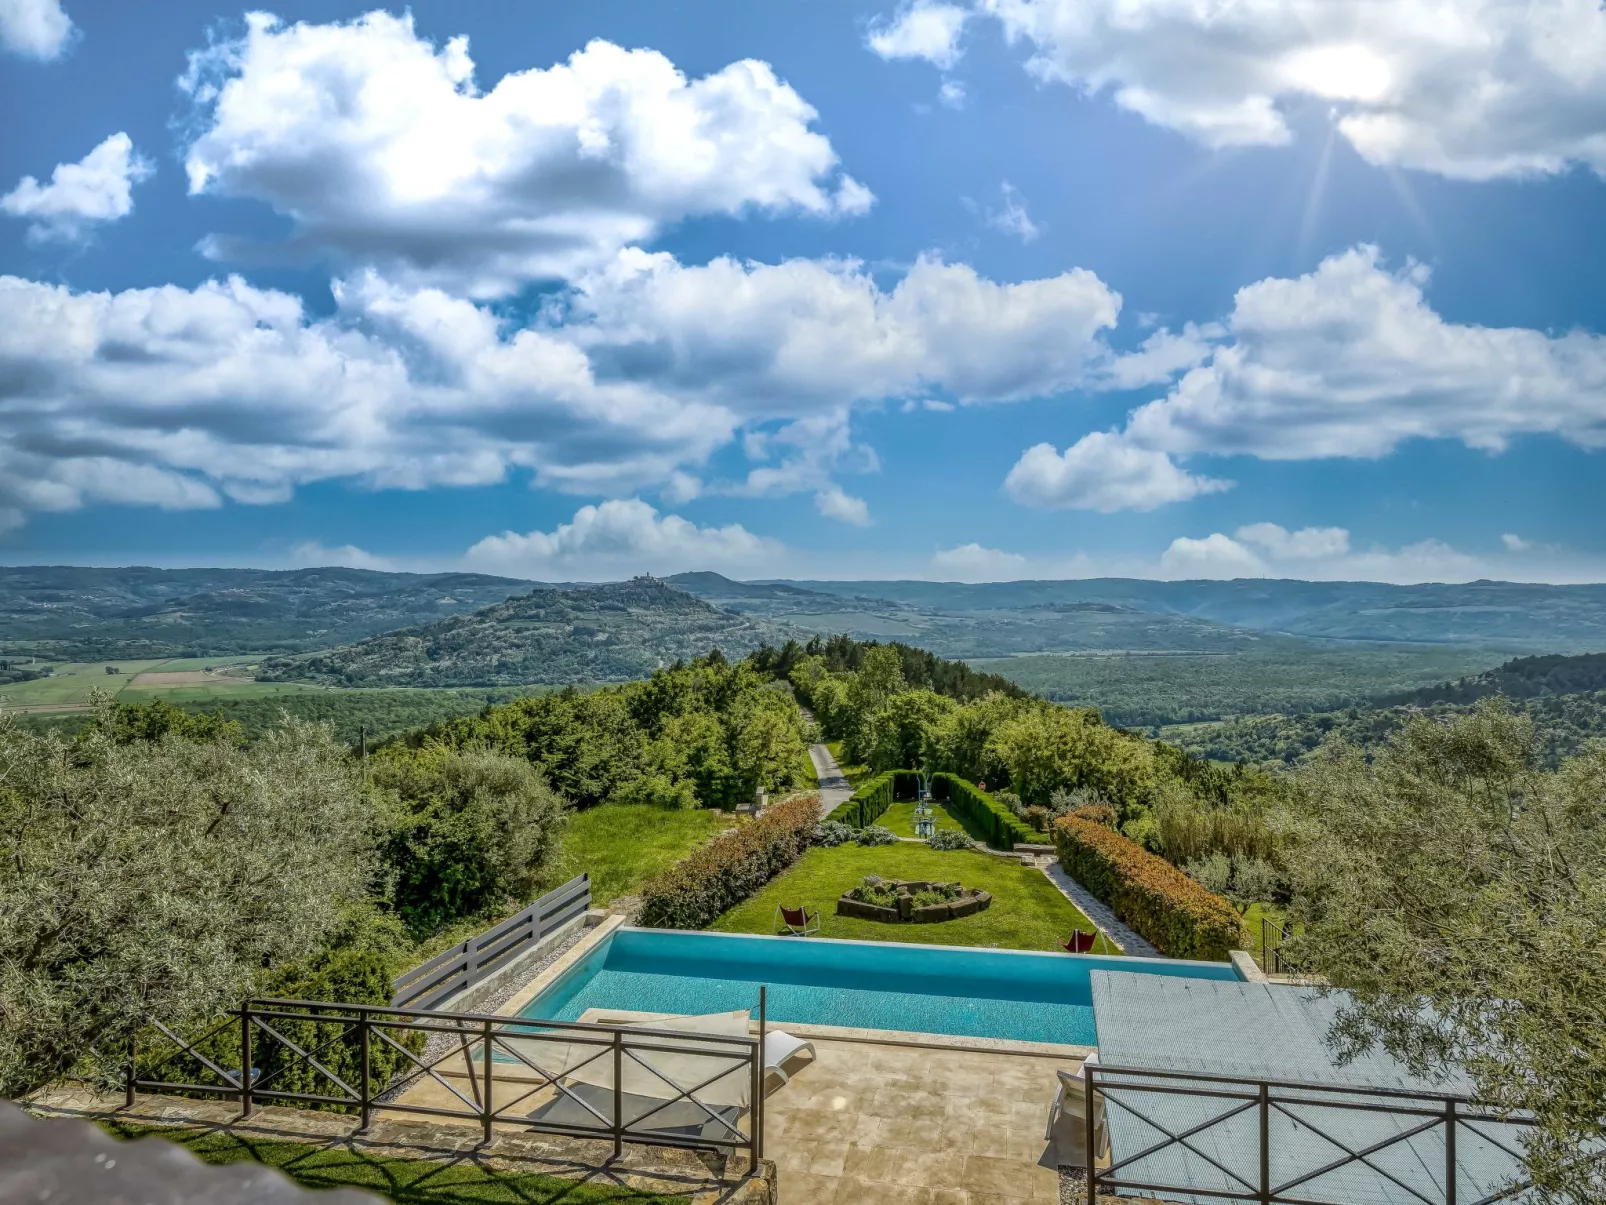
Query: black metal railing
{"points": [[1273, 935], [625, 1084], [1187, 1135], [432, 983]]}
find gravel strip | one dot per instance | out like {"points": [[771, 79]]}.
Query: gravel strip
{"points": [[441, 1044]]}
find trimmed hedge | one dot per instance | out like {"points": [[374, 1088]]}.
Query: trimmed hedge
{"points": [[1000, 826], [714, 878], [1098, 813], [1164, 905], [874, 797]]}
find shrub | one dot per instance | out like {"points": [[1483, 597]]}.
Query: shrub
{"points": [[875, 891], [1001, 829], [1178, 915], [832, 833], [346, 976], [950, 838], [867, 803], [874, 834], [469, 831], [695, 891], [1098, 813]]}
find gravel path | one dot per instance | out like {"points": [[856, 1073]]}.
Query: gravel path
{"points": [[1097, 911], [439, 1044], [834, 786]]}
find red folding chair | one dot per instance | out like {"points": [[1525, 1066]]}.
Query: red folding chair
{"points": [[799, 922], [1080, 943]]}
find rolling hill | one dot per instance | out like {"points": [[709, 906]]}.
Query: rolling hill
{"points": [[71, 613], [586, 634]]}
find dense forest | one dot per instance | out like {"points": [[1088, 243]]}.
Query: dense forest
{"points": [[707, 733]]}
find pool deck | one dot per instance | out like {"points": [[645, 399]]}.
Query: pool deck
{"points": [[904, 1125], [895, 1119]]}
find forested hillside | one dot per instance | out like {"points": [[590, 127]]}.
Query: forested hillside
{"points": [[1519, 678], [709, 733], [587, 634], [1564, 697], [72, 613]]}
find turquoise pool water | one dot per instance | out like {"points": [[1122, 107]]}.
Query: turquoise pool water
{"points": [[865, 984]]}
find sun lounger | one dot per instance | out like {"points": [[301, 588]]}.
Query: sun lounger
{"points": [[1070, 1106], [779, 1048]]}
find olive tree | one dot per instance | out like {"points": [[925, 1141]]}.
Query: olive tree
{"points": [[1458, 893], [154, 880]]}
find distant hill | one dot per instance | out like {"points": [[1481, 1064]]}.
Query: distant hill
{"points": [[72, 613], [1538, 618], [603, 633], [1519, 678]]}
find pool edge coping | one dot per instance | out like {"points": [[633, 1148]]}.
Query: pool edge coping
{"points": [[590, 941]]}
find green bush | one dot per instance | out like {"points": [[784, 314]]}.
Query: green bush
{"points": [[867, 803], [695, 891], [875, 834], [990, 817], [345, 976], [1164, 905], [468, 832]]}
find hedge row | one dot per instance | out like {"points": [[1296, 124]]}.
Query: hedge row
{"points": [[1164, 905], [874, 797], [1002, 828], [716, 877]]}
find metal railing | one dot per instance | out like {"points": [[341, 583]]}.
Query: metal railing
{"points": [[1189, 1135], [1272, 961], [468, 962], [559, 1077]]}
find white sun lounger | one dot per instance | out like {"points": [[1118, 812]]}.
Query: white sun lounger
{"points": [[779, 1047]]}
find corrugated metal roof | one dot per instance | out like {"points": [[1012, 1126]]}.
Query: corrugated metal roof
{"points": [[1253, 1032]]}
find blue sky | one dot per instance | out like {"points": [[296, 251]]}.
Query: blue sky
{"points": [[978, 290]]}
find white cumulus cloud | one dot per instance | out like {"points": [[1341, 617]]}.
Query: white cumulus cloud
{"points": [[99, 188], [1315, 554], [312, 554], [975, 563], [922, 29], [384, 151], [622, 537], [1476, 89], [1349, 360], [1515, 543], [834, 503], [1103, 472], [35, 29], [810, 335]]}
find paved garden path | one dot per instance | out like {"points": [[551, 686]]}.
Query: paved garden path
{"points": [[1097, 911], [834, 786]]}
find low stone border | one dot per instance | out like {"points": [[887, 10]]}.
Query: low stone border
{"points": [[969, 901]]}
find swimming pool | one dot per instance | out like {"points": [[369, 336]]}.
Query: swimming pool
{"points": [[864, 984]]}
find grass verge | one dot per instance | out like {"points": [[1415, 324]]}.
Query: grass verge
{"points": [[1027, 913], [413, 1181], [624, 845], [854, 772]]}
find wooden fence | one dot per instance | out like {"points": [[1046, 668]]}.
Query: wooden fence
{"points": [[427, 985]]}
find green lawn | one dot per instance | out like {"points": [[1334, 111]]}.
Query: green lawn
{"points": [[854, 773], [456, 1181], [621, 846], [1275, 914], [1027, 913], [900, 818]]}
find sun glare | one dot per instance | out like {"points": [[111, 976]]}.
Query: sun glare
{"points": [[1339, 72]]}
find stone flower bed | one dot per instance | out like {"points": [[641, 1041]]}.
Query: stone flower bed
{"points": [[898, 900]]}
